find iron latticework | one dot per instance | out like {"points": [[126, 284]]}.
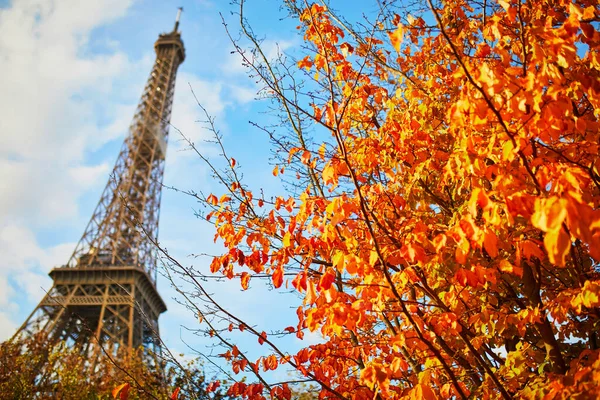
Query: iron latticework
{"points": [[106, 293]]}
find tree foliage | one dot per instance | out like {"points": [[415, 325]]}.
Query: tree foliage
{"points": [[442, 221], [32, 368]]}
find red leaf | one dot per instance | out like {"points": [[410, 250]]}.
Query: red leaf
{"points": [[175, 394], [326, 280], [262, 337], [213, 386], [299, 282]]}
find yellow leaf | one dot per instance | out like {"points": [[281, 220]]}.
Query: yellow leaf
{"points": [[508, 151], [549, 214], [311, 293], [590, 296], [397, 36], [338, 261], [557, 244], [287, 239], [328, 174], [373, 257], [422, 392]]}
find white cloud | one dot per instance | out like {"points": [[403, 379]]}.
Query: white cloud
{"points": [[242, 94], [26, 264], [49, 95], [21, 252], [187, 115], [6, 291], [189, 120], [7, 326]]}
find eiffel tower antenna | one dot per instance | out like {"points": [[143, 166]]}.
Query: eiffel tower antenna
{"points": [[179, 11], [106, 293]]}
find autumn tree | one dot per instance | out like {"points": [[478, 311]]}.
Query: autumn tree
{"points": [[36, 368], [442, 221]]}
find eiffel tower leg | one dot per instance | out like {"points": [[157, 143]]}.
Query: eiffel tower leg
{"points": [[101, 321], [48, 312], [49, 327]]}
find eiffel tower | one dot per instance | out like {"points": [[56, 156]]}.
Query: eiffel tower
{"points": [[106, 293]]}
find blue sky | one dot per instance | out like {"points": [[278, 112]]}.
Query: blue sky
{"points": [[72, 74]]}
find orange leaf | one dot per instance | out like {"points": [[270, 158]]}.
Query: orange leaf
{"points": [[122, 391], [326, 280], [270, 362], [305, 157], [467, 278], [531, 249], [306, 62], [175, 394], [373, 374], [278, 277], [507, 267], [490, 243], [590, 295], [245, 279], [478, 198]]}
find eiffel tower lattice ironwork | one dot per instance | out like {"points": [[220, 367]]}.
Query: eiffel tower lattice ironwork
{"points": [[107, 293]]}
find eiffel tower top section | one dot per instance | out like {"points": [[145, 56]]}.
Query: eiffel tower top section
{"points": [[124, 225]]}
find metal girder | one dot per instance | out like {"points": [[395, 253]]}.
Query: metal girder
{"points": [[124, 225], [106, 293], [116, 306]]}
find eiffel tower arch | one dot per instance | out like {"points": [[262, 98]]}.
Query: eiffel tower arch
{"points": [[106, 293]]}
